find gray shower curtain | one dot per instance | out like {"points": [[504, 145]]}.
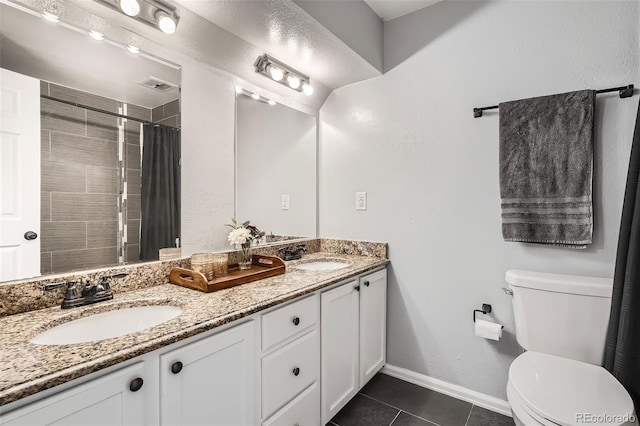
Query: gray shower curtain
{"points": [[160, 205], [622, 353]]}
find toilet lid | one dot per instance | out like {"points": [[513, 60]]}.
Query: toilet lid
{"points": [[569, 392]]}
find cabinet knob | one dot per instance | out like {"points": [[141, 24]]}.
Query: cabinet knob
{"points": [[296, 321], [176, 367], [357, 288], [136, 384], [296, 371], [366, 283]]}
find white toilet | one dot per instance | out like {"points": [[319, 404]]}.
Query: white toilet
{"points": [[561, 321]]}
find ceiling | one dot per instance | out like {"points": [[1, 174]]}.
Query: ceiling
{"points": [[391, 9]]}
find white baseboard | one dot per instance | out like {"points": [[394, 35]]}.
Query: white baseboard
{"points": [[481, 400]]}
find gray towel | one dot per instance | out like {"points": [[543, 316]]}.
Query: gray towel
{"points": [[546, 169]]}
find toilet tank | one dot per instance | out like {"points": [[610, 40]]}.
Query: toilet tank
{"points": [[563, 315]]}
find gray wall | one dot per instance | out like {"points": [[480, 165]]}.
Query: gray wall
{"points": [[430, 169]]}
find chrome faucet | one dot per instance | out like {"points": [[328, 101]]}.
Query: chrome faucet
{"points": [[88, 294]]}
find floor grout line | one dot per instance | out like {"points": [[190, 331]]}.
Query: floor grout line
{"points": [[394, 419], [469, 416], [393, 406]]}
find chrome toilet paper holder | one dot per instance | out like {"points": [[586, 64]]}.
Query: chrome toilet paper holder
{"points": [[486, 309]]}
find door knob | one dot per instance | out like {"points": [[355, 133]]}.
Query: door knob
{"points": [[30, 235]]}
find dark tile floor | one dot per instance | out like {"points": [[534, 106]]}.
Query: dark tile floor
{"points": [[386, 401]]}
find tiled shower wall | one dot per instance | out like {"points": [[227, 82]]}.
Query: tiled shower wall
{"points": [[167, 114], [80, 184]]}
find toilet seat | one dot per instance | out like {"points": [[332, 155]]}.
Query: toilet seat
{"points": [[557, 391]]}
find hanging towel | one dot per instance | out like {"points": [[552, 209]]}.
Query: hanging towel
{"points": [[546, 169]]}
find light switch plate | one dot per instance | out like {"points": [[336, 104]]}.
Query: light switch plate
{"points": [[361, 200], [285, 202]]}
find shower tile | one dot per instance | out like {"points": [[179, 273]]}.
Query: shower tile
{"points": [[55, 236], [82, 150], [83, 207], [102, 234], [69, 260], [45, 145], [63, 177], [102, 126], [133, 232], [172, 108], [62, 118], [44, 87], [157, 113], [133, 157], [45, 263], [133, 207], [102, 180], [133, 182], [138, 112], [132, 133], [133, 253], [89, 99], [45, 206], [170, 121]]}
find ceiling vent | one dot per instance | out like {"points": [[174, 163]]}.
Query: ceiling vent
{"points": [[157, 84]]}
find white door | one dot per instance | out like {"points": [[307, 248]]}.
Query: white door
{"points": [[19, 176], [114, 399], [373, 324], [339, 347], [211, 381]]}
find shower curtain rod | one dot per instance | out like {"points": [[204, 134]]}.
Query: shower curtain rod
{"points": [[625, 92], [115, 114]]}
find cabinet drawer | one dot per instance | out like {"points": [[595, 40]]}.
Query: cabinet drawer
{"points": [[302, 411], [289, 370], [288, 321]]}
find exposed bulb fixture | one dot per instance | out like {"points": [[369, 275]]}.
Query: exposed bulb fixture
{"points": [[293, 81], [50, 17], [130, 7], [96, 35], [271, 102], [239, 89], [255, 96], [307, 89], [165, 22], [133, 49], [276, 71], [160, 14]]}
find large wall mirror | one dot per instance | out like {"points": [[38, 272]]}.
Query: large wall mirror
{"points": [[276, 173], [92, 206]]}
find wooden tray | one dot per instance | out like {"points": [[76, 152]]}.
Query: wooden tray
{"points": [[261, 267]]}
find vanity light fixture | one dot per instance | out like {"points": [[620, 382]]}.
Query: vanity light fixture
{"points": [[50, 17], [283, 74], [96, 35], [156, 13]]}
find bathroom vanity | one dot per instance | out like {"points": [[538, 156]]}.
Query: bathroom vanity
{"points": [[247, 355]]}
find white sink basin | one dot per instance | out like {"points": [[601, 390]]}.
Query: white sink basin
{"points": [[323, 265], [107, 325]]}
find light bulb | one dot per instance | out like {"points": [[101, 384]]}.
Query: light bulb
{"points": [[294, 82], [307, 88], [133, 49], [96, 35], [271, 102], [255, 96], [130, 7], [276, 73], [165, 22], [50, 17], [239, 89]]}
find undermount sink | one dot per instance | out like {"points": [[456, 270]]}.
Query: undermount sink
{"points": [[107, 325], [323, 265]]}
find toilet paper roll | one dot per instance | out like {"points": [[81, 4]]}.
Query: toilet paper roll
{"points": [[488, 330]]}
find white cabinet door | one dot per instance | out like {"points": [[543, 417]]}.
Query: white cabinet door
{"points": [[19, 176], [339, 348], [211, 381], [373, 324], [108, 400]]}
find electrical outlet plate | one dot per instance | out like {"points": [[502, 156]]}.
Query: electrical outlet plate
{"points": [[361, 200], [285, 202]]}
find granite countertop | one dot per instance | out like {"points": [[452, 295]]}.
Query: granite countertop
{"points": [[27, 368]]}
